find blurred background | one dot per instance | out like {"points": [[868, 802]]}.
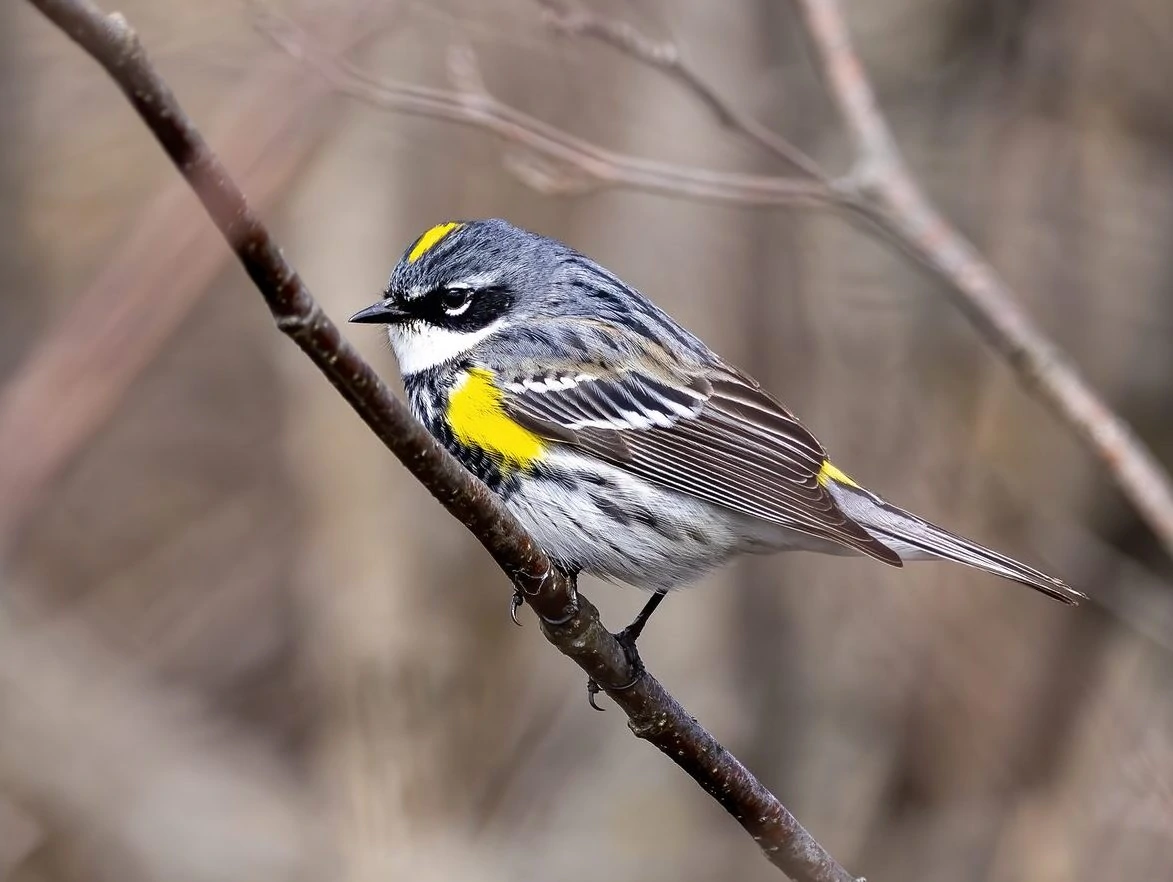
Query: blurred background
{"points": [[238, 641]]}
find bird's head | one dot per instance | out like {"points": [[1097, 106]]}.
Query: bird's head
{"points": [[459, 284]]}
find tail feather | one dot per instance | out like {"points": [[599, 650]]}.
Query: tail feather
{"points": [[912, 537]]}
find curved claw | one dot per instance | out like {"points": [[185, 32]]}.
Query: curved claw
{"points": [[515, 604], [593, 690]]}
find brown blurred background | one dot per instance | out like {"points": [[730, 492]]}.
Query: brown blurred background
{"points": [[237, 641]]}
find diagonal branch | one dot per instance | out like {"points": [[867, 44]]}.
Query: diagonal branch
{"points": [[667, 57], [569, 621], [891, 198]]}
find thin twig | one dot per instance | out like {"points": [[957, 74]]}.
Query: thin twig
{"points": [[667, 57], [893, 200], [569, 621], [592, 165]]}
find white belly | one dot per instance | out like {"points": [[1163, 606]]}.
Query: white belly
{"points": [[601, 520]]}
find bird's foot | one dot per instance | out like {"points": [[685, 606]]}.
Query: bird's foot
{"points": [[626, 639]]}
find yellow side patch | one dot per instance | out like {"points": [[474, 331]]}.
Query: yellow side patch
{"points": [[478, 420], [428, 240], [829, 473]]}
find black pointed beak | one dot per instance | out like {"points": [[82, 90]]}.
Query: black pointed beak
{"points": [[382, 313]]}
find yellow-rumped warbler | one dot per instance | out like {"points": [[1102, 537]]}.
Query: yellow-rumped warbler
{"points": [[623, 444]]}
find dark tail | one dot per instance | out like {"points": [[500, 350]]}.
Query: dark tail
{"points": [[914, 538]]}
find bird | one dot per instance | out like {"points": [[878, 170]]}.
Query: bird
{"points": [[623, 444]]}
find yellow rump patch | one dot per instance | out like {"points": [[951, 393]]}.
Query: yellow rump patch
{"points": [[478, 420], [428, 240], [829, 473]]}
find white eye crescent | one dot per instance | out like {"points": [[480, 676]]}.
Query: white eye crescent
{"points": [[456, 301]]}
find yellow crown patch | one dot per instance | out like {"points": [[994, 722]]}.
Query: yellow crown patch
{"points": [[430, 239]]}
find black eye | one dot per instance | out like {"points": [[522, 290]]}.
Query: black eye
{"points": [[455, 300]]}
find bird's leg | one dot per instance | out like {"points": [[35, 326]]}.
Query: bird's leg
{"points": [[627, 638], [630, 634]]}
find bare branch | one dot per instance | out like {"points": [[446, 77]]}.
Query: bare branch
{"points": [[569, 621], [591, 163], [667, 57], [891, 198]]}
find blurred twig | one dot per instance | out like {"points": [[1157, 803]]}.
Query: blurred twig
{"points": [[878, 191], [667, 57], [569, 621], [77, 374], [583, 165], [890, 197]]}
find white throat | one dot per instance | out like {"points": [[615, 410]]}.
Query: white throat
{"points": [[419, 346]]}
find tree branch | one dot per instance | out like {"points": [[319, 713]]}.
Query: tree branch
{"points": [[569, 621], [559, 161], [892, 199], [667, 57]]}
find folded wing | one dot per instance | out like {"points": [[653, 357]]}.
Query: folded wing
{"points": [[718, 438]]}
